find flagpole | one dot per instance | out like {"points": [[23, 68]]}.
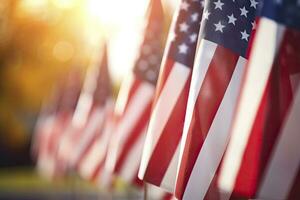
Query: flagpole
{"points": [[145, 191]]}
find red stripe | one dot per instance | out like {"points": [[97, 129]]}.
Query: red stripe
{"points": [[132, 91], [295, 192], [134, 135], [137, 182], [96, 173], [272, 111], [210, 97], [168, 141], [163, 77], [86, 150], [97, 134]]}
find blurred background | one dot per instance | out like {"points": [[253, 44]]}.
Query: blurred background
{"points": [[40, 42]]}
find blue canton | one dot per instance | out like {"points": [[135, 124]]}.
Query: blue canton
{"points": [[148, 62], [184, 37], [286, 12], [229, 23]]}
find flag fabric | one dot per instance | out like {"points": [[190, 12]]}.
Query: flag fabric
{"points": [[88, 124], [94, 139], [219, 64], [91, 165], [68, 95], [161, 150], [45, 117], [134, 102], [262, 157], [155, 193]]}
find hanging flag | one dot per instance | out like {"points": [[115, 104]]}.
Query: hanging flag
{"points": [[43, 122], [135, 100], [219, 64], [262, 158], [66, 101], [161, 150], [90, 150]]}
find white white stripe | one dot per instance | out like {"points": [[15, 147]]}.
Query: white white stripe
{"points": [[260, 64], [93, 158], [202, 60], [169, 180], [96, 154], [162, 111], [104, 179], [283, 168], [214, 145], [85, 100], [124, 94], [136, 107], [95, 121], [131, 165]]}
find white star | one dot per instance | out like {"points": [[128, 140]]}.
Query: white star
{"points": [[202, 3], [153, 59], [253, 3], [231, 19], [183, 27], [206, 14], [218, 4], [245, 35], [185, 6], [244, 11], [253, 25], [193, 37], [143, 65], [146, 49], [151, 75], [183, 48], [194, 17], [219, 27]]}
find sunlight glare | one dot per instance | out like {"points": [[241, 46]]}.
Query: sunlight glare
{"points": [[64, 4], [116, 12]]}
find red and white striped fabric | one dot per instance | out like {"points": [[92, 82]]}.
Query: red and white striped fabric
{"points": [[161, 149], [262, 158], [156, 193], [55, 125], [218, 69], [133, 108], [135, 101], [91, 165], [93, 109]]}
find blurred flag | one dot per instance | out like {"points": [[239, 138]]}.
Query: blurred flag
{"points": [[90, 113], [55, 125], [161, 150], [89, 151], [135, 100], [219, 64], [44, 120], [262, 158]]}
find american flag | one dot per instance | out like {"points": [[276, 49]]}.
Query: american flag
{"points": [[262, 158], [135, 100], [161, 150], [92, 148], [220, 61], [88, 124], [54, 127]]}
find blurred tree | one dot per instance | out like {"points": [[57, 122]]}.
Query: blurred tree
{"points": [[39, 43]]}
